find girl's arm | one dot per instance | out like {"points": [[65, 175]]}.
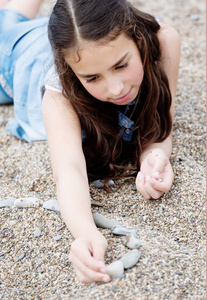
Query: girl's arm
{"points": [[27, 8], [69, 168], [154, 160]]}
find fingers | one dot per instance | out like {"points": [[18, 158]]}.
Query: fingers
{"points": [[163, 186], [87, 267], [150, 187], [140, 184], [159, 165], [87, 275], [99, 250]]}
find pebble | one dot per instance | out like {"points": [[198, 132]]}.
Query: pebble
{"points": [[100, 185], [123, 230], [51, 204], [17, 258], [37, 232], [39, 262], [112, 288], [103, 222], [132, 242], [130, 259], [60, 227], [115, 269], [57, 237], [7, 202], [195, 17], [27, 202]]}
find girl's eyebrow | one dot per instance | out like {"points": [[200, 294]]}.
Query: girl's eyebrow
{"points": [[116, 64]]}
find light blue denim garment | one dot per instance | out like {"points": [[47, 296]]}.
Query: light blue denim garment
{"points": [[25, 62], [25, 57]]}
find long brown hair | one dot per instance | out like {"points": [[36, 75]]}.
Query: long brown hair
{"points": [[103, 21]]}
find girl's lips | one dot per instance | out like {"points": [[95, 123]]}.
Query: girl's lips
{"points": [[124, 98]]}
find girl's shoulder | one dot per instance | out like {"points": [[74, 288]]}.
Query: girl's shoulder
{"points": [[168, 35]]}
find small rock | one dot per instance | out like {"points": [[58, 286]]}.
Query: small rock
{"points": [[5, 232], [100, 185], [17, 258], [103, 222], [130, 259], [39, 262], [60, 227], [7, 202], [134, 188], [57, 237], [51, 204], [37, 232], [160, 210], [195, 17], [123, 230], [27, 202], [132, 242], [112, 288], [181, 159], [115, 269]]}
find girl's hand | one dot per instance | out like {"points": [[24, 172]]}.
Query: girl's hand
{"points": [[155, 176], [87, 257]]}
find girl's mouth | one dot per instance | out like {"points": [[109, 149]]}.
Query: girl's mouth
{"points": [[123, 98]]}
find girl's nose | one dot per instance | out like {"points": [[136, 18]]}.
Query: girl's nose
{"points": [[115, 88]]}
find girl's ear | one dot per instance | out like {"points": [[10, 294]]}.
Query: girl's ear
{"points": [[139, 43]]}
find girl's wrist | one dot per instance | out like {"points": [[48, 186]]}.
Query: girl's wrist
{"points": [[85, 231], [155, 151]]}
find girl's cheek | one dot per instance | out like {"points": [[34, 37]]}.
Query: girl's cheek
{"points": [[95, 92], [136, 76]]}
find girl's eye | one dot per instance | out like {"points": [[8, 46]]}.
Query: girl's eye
{"points": [[122, 66], [92, 79]]}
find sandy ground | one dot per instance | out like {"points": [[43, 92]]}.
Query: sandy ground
{"points": [[171, 229]]}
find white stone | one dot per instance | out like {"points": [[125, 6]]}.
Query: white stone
{"points": [[131, 258], [7, 202], [103, 222], [122, 230], [51, 204], [37, 232], [27, 202], [132, 242], [115, 269], [57, 237]]}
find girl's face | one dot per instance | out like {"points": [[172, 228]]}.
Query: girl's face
{"points": [[112, 72]]}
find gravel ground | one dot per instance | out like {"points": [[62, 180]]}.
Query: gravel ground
{"points": [[171, 229]]}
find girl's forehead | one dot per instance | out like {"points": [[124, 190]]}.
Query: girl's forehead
{"points": [[96, 52]]}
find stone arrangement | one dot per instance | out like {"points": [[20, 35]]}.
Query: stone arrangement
{"points": [[130, 259], [115, 269]]}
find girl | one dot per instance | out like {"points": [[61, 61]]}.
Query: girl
{"points": [[111, 103]]}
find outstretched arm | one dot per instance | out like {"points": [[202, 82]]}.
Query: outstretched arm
{"points": [[156, 174], [69, 168], [28, 8]]}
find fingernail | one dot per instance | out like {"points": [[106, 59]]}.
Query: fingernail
{"points": [[156, 174], [102, 270], [106, 278], [102, 262], [139, 175]]}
